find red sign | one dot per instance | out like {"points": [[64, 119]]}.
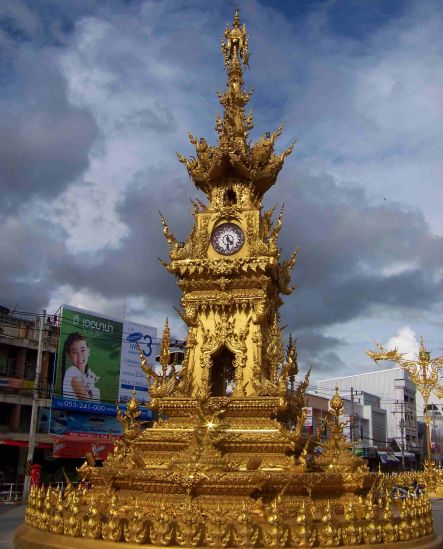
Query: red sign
{"points": [[78, 449], [11, 382]]}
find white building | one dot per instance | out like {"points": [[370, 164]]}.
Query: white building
{"points": [[375, 415], [435, 409], [397, 396]]}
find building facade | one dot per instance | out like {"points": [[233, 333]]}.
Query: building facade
{"points": [[397, 395], [19, 336]]}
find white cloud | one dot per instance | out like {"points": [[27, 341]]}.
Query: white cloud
{"points": [[405, 341], [85, 299]]}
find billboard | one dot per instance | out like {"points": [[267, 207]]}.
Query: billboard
{"points": [[77, 424], [97, 361], [131, 375], [64, 448]]}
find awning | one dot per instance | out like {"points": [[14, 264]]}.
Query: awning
{"points": [[408, 455], [387, 456], [25, 443]]}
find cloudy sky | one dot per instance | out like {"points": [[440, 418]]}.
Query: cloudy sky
{"points": [[96, 98]]}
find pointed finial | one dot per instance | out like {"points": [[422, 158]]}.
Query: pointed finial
{"points": [[234, 45], [336, 403], [132, 406], [164, 351], [236, 16], [291, 357], [423, 353]]}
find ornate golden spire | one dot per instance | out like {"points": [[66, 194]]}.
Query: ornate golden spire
{"points": [[291, 361], [337, 405], [423, 353], [235, 45], [233, 129]]}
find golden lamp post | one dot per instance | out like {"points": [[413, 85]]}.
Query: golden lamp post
{"points": [[424, 373]]}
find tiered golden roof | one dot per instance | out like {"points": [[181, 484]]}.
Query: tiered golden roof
{"points": [[233, 156]]}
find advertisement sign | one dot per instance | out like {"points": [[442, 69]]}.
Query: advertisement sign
{"points": [[307, 426], [97, 361], [131, 375], [105, 408], [64, 422], [346, 419], [64, 448]]}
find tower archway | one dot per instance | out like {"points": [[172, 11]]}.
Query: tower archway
{"points": [[230, 197], [222, 376]]}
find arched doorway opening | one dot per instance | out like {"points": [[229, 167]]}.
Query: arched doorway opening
{"points": [[222, 373], [230, 198]]}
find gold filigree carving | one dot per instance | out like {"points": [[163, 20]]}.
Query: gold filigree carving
{"points": [[226, 333]]}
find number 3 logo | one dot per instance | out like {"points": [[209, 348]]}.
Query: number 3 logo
{"points": [[148, 343]]}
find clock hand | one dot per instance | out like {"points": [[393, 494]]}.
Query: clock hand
{"points": [[229, 241]]}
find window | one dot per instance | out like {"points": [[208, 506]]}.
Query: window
{"points": [[8, 363], [31, 364], [229, 198]]}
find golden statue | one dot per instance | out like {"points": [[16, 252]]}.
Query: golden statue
{"points": [[227, 462], [424, 373]]}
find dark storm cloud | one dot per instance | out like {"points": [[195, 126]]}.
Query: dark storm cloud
{"points": [[317, 351], [354, 255], [313, 342], [134, 269], [45, 139], [325, 362], [348, 247], [31, 251]]}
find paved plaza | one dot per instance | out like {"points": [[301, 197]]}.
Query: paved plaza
{"points": [[10, 517]]}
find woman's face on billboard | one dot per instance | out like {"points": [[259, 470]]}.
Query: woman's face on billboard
{"points": [[79, 354]]}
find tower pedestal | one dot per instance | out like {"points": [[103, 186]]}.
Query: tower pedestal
{"points": [[27, 537]]}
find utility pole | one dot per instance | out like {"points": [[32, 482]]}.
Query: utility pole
{"points": [[402, 431], [352, 416], [34, 413]]}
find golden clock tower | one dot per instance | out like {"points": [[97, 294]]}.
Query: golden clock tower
{"points": [[227, 462], [229, 268]]}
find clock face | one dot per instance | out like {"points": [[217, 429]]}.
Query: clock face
{"points": [[227, 239]]}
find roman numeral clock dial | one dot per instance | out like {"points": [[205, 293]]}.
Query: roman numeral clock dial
{"points": [[227, 239]]}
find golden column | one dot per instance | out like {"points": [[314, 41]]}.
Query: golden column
{"points": [[424, 373]]}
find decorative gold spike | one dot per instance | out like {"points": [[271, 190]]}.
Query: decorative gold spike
{"points": [[172, 241], [164, 349], [291, 357]]}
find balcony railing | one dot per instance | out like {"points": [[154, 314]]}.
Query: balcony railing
{"points": [[11, 492], [44, 391]]}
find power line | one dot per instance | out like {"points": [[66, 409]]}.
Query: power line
{"points": [[106, 338]]}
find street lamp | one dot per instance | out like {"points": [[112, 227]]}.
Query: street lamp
{"points": [[424, 373]]}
